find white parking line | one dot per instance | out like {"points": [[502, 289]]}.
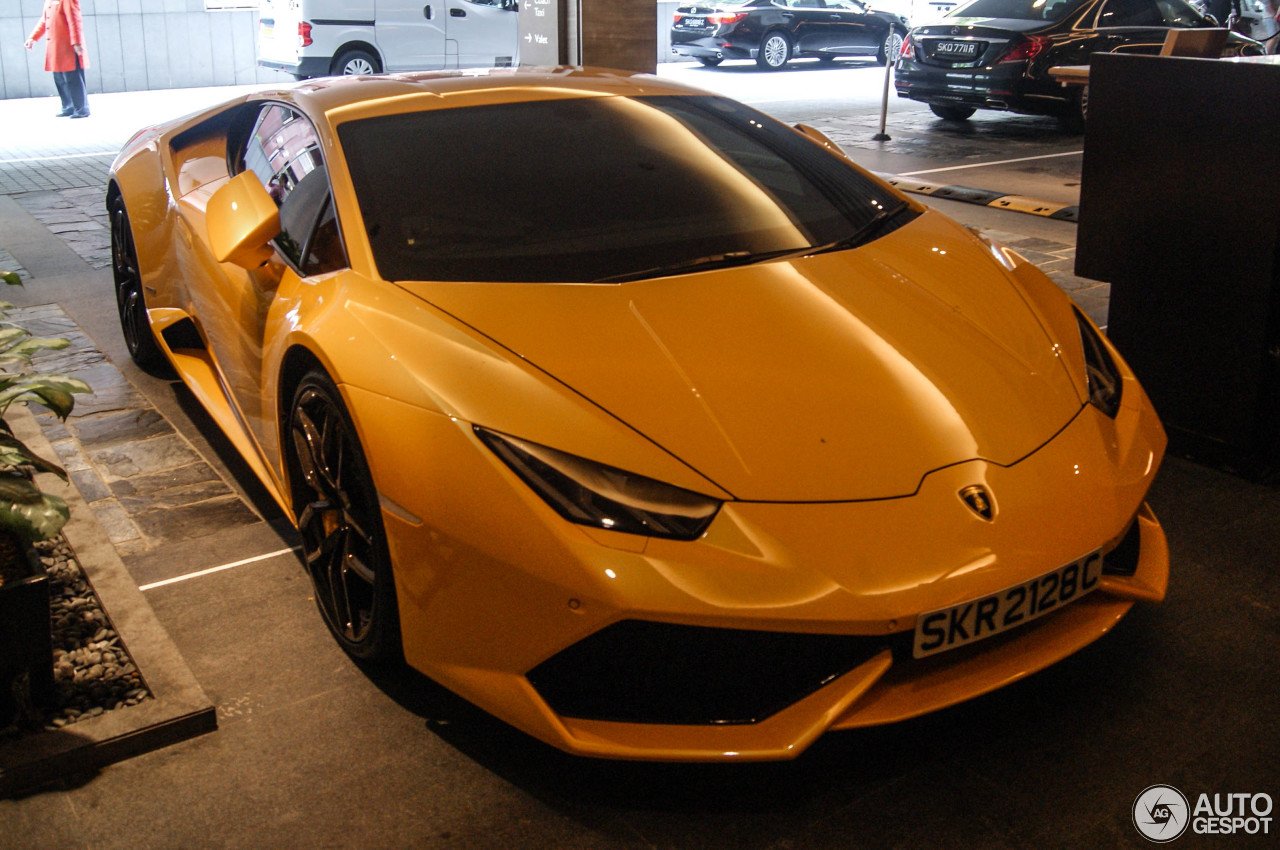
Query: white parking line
{"points": [[997, 162], [233, 565]]}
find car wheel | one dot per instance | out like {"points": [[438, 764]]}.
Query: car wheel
{"points": [[826, 59], [1077, 111], [952, 113], [709, 62], [775, 50], [131, 301], [890, 48], [355, 61], [340, 521]]}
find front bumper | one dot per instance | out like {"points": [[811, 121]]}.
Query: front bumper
{"points": [[493, 586]]}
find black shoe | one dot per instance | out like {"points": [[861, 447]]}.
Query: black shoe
{"points": [[64, 113], [81, 113]]}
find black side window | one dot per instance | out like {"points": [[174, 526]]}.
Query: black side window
{"points": [[283, 151], [1129, 13]]}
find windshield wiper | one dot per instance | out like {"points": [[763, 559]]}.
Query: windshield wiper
{"points": [[711, 261], [865, 233]]}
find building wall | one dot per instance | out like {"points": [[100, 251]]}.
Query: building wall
{"points": [[135, 45]]}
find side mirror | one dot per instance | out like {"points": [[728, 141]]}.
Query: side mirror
{"points": [[242, 219]]}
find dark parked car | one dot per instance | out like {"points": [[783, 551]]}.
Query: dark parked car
{"points": [[773, 32], [996, 54]]}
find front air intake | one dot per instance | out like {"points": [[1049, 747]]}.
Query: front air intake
{"points": [[636, 671]]}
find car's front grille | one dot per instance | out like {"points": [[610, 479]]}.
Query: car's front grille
{"points": [[636, 671]]}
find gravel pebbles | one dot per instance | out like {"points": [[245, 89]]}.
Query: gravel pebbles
{"points": [[92, 670]]}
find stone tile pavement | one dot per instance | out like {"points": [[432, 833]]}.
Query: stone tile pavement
{"points": [[76, 216], [145, 483]]}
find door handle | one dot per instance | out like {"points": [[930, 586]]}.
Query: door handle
{"points": [[426, 12], [457, 13], [835, 17]]}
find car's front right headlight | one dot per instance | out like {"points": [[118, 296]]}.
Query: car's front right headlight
{"points": [[589, 493], [1105, 383]]}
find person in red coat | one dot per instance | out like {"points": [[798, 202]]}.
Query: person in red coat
{"points": [[64, 53]]}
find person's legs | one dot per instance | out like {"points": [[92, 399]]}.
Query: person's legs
{"points": [[60, 82], [76, 91]]}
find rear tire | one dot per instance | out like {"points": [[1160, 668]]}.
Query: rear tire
{"points": [[775, 51], [952, 113], [1073, 119], [709, 62], [131, 300], [355, 61], [890, 48]]}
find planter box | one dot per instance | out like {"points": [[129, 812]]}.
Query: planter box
{"points": [[26, 642]]}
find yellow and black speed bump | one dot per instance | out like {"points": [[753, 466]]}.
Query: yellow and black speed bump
{"points": [[985, 198]]}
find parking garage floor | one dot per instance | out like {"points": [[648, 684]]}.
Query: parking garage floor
{"points": [[312, 750]]}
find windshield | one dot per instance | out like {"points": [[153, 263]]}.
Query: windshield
{"points": [[588, 189], [1022, 10]]}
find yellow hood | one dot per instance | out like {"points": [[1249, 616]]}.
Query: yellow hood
{"points": [[836, 377]]}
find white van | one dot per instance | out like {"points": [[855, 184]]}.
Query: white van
{"points": [[316, 38]]}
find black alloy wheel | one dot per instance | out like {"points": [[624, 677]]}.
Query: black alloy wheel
{"points": [[775, 51], [952, 113], [339, 517], [131, 301]]}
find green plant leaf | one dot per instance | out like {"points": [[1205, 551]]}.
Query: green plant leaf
{"points": [[56, 400], [14, 452], [22, 351], [53, 391], [11, 278], [38, 520], [18, 488], [9, 336]]}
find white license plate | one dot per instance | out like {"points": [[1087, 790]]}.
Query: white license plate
{"points": [[956, 50], [696, 23], [266, 31], [948, 628]]}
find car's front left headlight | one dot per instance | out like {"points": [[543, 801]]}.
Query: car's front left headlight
{"points": [[590, 493], [1105, 384]]}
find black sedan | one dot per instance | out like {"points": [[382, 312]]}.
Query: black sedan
{"points": [[996, 54], [773, 32]]}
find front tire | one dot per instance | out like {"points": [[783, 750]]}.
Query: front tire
{"points": [[775, 51], [952, 113], [339, 517], [355, 61], [131, 301]]}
